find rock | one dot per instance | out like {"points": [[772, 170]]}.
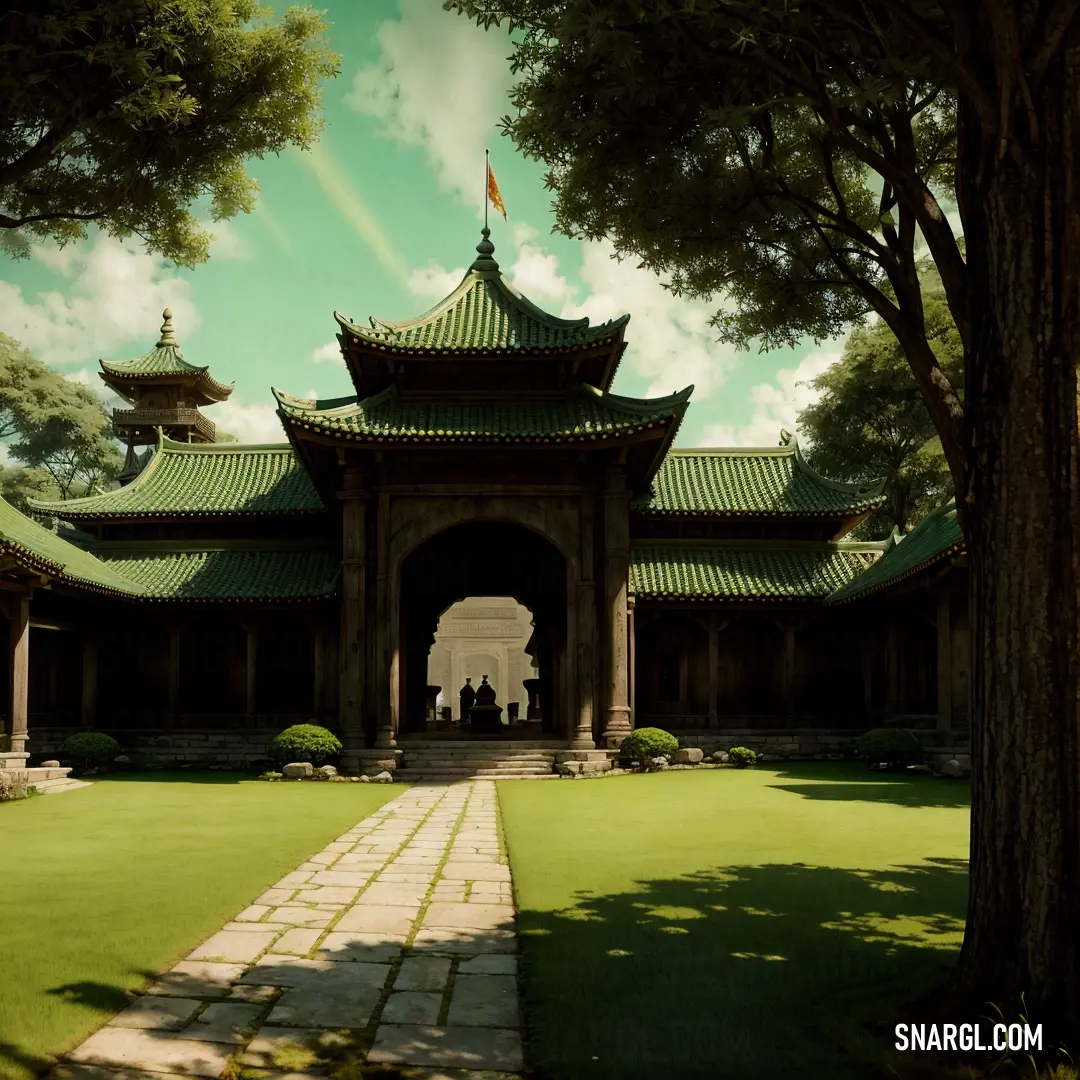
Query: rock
{"points": [[362, 779], [951, 768], [123, 759], [657, 764], [328, 771], [722, 756], [691, 755], [298, 770], [50, 764], [382, 778], [570, 768]]}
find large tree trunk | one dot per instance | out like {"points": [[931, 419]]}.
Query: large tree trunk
{"points": [[1020, 511]]}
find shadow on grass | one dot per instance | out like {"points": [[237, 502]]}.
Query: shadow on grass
{"points": [[725, 972], [847, 783], [173, 776]]}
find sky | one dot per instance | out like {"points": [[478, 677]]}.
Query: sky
{"points": [[381, 218]]}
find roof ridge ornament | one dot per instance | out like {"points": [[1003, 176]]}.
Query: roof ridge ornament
{"points": [[167, 336], [485, 251]]}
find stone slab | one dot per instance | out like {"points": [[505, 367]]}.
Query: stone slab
{"points": [[423, 973], [293, 880], [484, 1001], [197, 978], [274, 897], [287, 1048], [99, 1072], [464, 942], [253, 993], [378, 919], [298, 940], [157, 1013], [476, 871], [234, 946], [372, 948], [324, 1008], [326, 894], [276, 970], [300, 916], [253, 913], [393, 894], [353, 879], [411, 1007], [492, 964], [223, 1022], [466, 916], [461, 1048], [155, 1051]]}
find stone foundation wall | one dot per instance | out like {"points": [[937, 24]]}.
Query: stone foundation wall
{"points": [[239, 749], [815, 744]]}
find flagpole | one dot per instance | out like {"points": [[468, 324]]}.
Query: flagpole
{"points": [[487, 173]]}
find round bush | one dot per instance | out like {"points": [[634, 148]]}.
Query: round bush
{"points": [[741, 756], [893, 746], [303, 742], [644, 744], [90, 749]]}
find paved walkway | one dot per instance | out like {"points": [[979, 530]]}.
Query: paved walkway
{"points": [[394, 945]]}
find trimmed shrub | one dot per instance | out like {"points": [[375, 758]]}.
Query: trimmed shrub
{"points": [[741, 756], [12, 787], [893, 747], [90, 749], [303, 742], [644, 744]]}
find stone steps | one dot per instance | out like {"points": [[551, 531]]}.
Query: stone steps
{"points": [[487, 760], [52, 787], [412, 776]]}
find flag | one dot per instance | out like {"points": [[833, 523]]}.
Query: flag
{"points": [[493, 193]]}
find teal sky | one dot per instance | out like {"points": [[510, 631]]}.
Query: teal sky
{"points": [[381, 219]]}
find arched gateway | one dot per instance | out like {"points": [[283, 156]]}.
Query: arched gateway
{"points": [[226, 590]]}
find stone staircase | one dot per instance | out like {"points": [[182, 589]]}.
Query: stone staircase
{"points": [[488, 760], [47, 781]]}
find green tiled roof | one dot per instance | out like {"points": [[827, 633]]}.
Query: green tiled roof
{"points": [[234, 574], [191, 480], [747, 570], [485, 312], [737, 483], [163, 360], [584, 414], [936, 537], [42, 551]]}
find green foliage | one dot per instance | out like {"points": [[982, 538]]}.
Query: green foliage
{"points": [[90, 749], [19, 484], [224, 436], [57, 428], [644, 744], [270, 775], [125, 112], [891, 745], [742, 756], [303, 742], [871, 423]]}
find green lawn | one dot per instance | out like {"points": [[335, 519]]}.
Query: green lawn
{"points": [[103, 887], [722, 923]]}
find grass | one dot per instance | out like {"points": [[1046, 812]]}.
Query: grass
{"points": [[103, 887], [697, 924]]}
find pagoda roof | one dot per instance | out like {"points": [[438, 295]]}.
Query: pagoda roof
{"points": [[40, 551], [583, 415], [484, 313], [752, 482], [224, 572], [164, 363], [746, 570], [936, 538], [186, 480]]}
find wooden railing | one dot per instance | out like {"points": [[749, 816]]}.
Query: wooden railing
{"points": [[165, 418]]}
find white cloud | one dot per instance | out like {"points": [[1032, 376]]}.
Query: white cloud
{"points": [[113, 296], [440, 84], [432, 282], [250, 422], [777, 404], [330, 353], [227, 242]]}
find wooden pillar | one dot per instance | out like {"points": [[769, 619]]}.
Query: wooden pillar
{"points": [[714, 670], [632, 663], [789, 669], [944, 660], [88, 711], [352, 653], [869, 643], [318, 667], [385, 684], [616, 587], [173, 701], [892, 667], [251, 671], [583, 650], [20, 674]]}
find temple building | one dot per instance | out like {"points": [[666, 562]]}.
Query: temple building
{"points": [[482, 505]]}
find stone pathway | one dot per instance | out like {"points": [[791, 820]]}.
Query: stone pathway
{"points": [[394, 946]]}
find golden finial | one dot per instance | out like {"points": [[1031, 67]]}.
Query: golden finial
{"points": [[167, 336]]}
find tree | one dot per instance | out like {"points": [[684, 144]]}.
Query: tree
{"points": [[122, 113], [224, 436], [788, 155], [53, 425], [19, 484], [871, 421]]}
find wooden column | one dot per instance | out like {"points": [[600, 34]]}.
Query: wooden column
{"points": [[251, 671], [944, 660], [352, 653], [385, 684], [868, 645], [318, 668], [789, 670], [616, 587], [583, 651], [173, 701], [892, 667], [714, 670], [632, 652], [89, 680], [20, 674]]}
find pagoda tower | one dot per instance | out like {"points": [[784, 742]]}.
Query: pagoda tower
{"points": [[165, 392]]}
